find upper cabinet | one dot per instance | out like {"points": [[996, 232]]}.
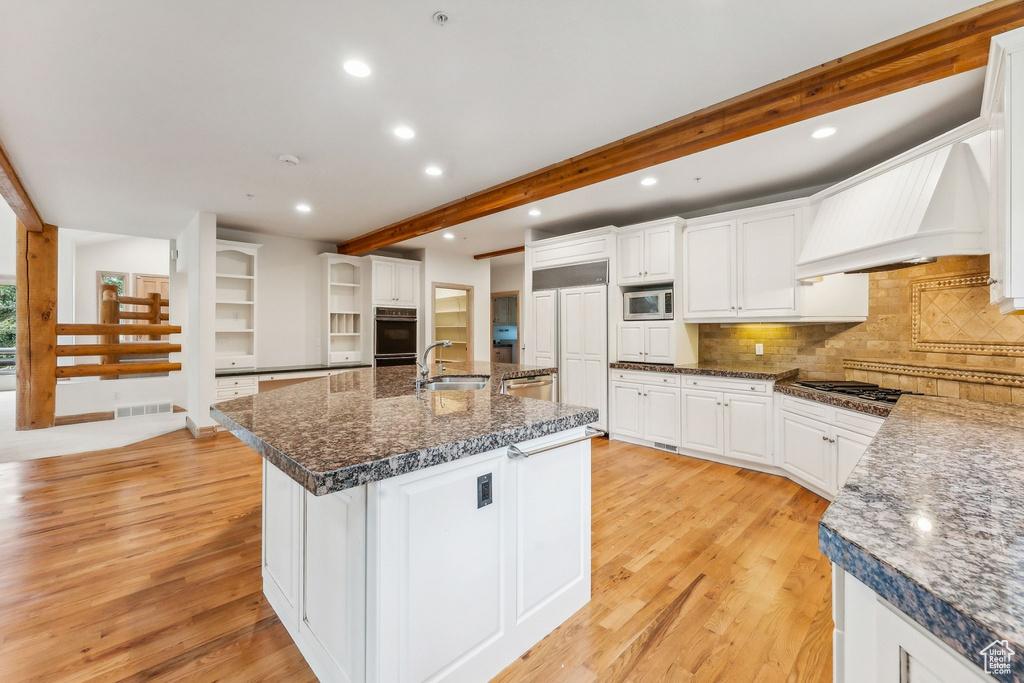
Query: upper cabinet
{"points": [[394, 282], [1003, 107], [741, 265], [235, 305], [647, 252]]}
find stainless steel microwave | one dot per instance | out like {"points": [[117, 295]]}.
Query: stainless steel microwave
{"points": [[647, 304]]}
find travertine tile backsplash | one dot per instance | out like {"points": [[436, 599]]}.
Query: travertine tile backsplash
{"points": [[980, 352]]}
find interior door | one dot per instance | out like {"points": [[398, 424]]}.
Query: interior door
{"points": [[708, 278], [543, 330], [659, 254], [147, 285], [584, 348], [767, 265]]}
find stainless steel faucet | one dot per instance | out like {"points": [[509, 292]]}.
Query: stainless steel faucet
{"points": [[424, 367]]}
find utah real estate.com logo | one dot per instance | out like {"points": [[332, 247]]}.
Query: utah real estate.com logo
{"points": [[997, 658]]}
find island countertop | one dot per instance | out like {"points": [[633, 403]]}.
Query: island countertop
{"points": [[337, 432], [931, 519]]}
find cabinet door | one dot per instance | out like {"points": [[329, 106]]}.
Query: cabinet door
{"points": [[631, 342], [850, 446], [383, 282], [806, 449], [701, 426], [630, 257], [282, 507], [583, 350], [405, 284], [767, 265], [748, 427], [659, 342], [544, 328], [627, 409], [661, 415], [659, 254], [708, 277]]}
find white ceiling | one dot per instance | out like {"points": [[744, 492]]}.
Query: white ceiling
{"points": [[126, 116], [779, 162]]}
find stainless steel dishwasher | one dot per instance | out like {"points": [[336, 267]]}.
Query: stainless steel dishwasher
{"points": [[534, 386]]}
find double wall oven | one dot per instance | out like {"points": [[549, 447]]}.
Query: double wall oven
{"points": [[394, 336]]}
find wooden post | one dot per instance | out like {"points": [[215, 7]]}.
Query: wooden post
{"points": [[36, 355], [155, 309], [110, 314]]}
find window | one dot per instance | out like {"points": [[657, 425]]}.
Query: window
{"points": [[7, 328], [119, 279]]}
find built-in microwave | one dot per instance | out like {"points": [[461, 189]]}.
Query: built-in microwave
{"points": [[647, 304]]}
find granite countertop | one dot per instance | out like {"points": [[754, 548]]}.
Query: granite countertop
{"points": [[337, 432], [876, 408], [959, 467], [284, 369], [761, 371]]}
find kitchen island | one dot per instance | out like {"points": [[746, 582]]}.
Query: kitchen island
{"points": [[403, 539], [926, 541]]}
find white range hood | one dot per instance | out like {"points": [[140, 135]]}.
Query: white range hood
{"points": [[926, 203]]}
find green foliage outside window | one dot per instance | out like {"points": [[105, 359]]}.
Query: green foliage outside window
{"points": [[115, 280], [7, 326]]}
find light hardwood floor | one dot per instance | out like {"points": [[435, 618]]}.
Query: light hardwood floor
{"points": [[142, 564]]}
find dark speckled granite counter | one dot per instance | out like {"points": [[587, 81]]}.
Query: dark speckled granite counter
{"points": [[959, 465], [352, 428], [286, 369], [876, 408], [762, 371]]}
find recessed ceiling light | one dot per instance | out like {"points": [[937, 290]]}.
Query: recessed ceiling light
{"points": [[821, 133], [303, 208], [357, 68], [649, 181], [433, 170], [405, 132], [534, 212], [449, 235]]}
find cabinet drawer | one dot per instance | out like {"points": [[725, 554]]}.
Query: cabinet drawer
{"points": [[234, 382], [235, 393], [224, 362], [813, 409], [661, 379], [868, 425], [743, 386]]}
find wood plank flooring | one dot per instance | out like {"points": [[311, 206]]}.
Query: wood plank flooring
{"points": [[142, 564]]}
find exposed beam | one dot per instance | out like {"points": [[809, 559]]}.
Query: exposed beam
{"points": [[500, 252], [951, 46], [16, 196], [36, 338]]}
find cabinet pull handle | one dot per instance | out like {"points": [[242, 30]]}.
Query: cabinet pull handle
{"points": [[753, 388], [824, 438], [588, 433]]}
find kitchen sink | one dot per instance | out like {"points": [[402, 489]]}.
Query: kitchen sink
{"points": [[456, 383]]}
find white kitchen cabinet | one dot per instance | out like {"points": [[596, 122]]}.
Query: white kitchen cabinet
{"points": [[647, 409], [395, 282], [542, 331], [647, 342], [282, 527], [647, 252], [583, 348], [235, 305], [702, 425], [748, 427], [849, 447], [806, 450], [709, 281]]}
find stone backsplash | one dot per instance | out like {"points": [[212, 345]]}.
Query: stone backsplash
{"points": [[938, 338]]}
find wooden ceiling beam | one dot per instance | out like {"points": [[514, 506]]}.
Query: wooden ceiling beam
{"points": [[16, 196], [500, 252], [945, 48]]}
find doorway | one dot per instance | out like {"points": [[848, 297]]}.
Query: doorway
{"points": [[505, 327], [453, 320]]}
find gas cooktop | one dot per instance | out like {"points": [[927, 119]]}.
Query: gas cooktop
{"points": [[862, 390]]}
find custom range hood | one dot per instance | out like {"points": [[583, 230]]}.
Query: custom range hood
{"points": [[926, 203]]}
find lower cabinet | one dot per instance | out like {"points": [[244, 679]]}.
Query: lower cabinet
{"points": [[806, 450], [646, 410], [725, 423]]}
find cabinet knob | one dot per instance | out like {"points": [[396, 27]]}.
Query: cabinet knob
{"points": [[741, 308], [824, 438], [831, 440], [753, 388], [719, 403], [992, 281], [732, 308], [726, 404], [639, 393], [645, 272]]}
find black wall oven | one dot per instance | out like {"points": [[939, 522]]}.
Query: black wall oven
{"points": [[394, 336]]}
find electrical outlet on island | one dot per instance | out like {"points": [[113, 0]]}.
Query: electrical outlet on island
{"points": [[758, 349]]}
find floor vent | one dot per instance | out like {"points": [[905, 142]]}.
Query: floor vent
{"points": [[666, 447], [146, 409]]}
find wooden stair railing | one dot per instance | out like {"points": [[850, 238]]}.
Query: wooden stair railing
{"points": [[110, 329]]}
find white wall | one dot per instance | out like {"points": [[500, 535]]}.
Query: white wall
{"points": [[288, 294], [459, 269], [197, 260], [507, 278], [132, 255]]}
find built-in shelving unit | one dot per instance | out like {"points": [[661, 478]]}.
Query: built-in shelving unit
{"points": [[235, 303], [344, 305], [452, 321]]}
